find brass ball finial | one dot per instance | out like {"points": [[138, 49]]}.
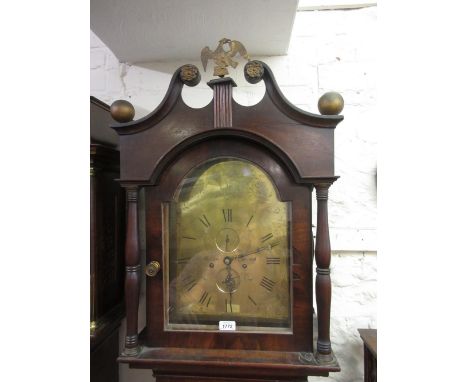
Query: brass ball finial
{"points": [[122, 111], [331, 103]]}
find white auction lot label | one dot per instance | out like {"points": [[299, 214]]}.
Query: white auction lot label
{"points": [[227, 325]]}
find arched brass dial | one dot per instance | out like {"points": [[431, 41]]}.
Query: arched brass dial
{"points": [[228, 249]]}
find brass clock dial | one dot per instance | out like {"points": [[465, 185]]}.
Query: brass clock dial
{"points": [[227, 248]]}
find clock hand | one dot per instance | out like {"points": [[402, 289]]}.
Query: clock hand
{"points": [[258, 250], [229, 281], [227, 242]]}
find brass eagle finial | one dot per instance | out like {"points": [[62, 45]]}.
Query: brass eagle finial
{"points": [[223, 58]]}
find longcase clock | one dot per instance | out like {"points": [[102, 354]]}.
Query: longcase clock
{"points": [[225, 213]]}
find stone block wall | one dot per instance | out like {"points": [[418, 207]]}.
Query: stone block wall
{"points": [[329, 50]]}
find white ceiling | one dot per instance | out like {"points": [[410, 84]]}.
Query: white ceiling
{"points": [[171, 30]]}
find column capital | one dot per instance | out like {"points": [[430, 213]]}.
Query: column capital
{"points": [[324, 182], [321, 193], [132, 193]]}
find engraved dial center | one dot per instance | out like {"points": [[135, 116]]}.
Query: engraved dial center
{"points": [[227, 240], [227, 280]]}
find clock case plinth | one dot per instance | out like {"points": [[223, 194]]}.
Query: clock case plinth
{"points": [[156, 151]]}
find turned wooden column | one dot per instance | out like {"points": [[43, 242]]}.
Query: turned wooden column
{"points": [[222, 101], [132, 274], [322, 280]]}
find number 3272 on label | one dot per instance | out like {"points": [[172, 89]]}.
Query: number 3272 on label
{"points": [[227, 325]]}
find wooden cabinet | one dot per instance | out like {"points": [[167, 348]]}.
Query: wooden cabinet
{"points": [[369, 338], [107, 218]]}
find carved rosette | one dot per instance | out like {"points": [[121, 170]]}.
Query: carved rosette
{"points": [[253, 71], [190, 75]]}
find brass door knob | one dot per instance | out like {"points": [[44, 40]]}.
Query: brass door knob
{"points": [[152, 269]]}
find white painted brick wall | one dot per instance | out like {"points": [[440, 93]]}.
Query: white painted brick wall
{"points": [[329, 50]]}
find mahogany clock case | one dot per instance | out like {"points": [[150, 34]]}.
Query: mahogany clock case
{"points": [[299, 195], [295, 149]]}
